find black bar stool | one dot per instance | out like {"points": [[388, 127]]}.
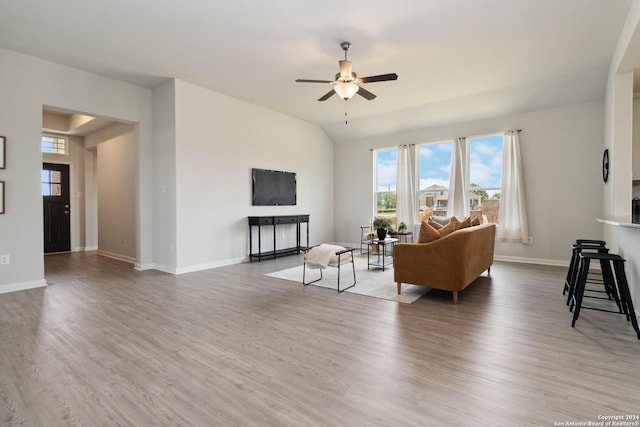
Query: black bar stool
{"points": [[625, 304], [574, 266]]}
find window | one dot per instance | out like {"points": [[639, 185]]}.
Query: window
{"points": [[386, 175], [434, 169], [51, 183], [52, 144], [485, 176], [483, 169]]}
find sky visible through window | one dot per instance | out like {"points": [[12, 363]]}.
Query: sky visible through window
{"points": [[387, 169], [485, 164], [435, 164]]}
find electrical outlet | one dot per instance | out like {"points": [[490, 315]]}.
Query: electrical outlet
{"points": [[4, 259], [530, 240]]}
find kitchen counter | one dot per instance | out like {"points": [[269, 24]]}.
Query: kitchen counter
{"points": [[625, 236], [621, 221]]}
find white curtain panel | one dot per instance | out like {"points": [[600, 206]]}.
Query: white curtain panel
{"points": [[406, 206], [458, 203], [512, 218]]}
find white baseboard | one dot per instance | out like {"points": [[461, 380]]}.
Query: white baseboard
{"points": [[161, 267], [22, 286], [525, 260], [191, 268], [209, 265], [84, 249], [117, 256], [143, 267]]}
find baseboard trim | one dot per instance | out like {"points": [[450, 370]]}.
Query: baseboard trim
{"points": [[22, 286], [191, 268], [163, 268], [525, 260], [84, 249], [119, 257], [209, 265], [143, 267]]}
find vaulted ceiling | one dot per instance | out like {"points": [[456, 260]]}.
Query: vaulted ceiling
{"points": [[456, 59]]}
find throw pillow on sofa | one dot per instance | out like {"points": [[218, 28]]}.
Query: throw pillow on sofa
{"points": [[448, 229], [427, 233], [455, 222], [465, 223], [435, 225]]}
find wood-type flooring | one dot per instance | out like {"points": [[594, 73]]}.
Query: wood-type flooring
{"points": [[105, 345]]}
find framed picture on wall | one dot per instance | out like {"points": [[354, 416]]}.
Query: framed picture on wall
{"points": [[1, 197], [3, 151]]}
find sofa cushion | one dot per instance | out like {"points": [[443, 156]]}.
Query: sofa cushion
{"points": [[475, 221], [427, 233], [455, 222], [435, 225], [448, 229], [465, 223]]}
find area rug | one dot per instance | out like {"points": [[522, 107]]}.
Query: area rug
{"points": [[372, 283]]}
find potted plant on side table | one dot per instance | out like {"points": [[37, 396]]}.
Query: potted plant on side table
{"points": [[382, 225]]}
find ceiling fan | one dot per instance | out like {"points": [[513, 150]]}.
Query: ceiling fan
{"points": [[347, 83]]}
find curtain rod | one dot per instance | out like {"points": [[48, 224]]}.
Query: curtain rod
{"points": [[488, 134], [475, 136]]}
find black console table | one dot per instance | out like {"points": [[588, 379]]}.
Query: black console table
{"points": [[274, 221]]}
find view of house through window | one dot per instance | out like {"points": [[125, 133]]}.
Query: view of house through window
{"points": [[484, 166], [485, 176], [434, 169]]}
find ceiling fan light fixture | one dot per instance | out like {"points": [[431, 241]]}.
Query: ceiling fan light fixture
{"points": [[346, 90]]}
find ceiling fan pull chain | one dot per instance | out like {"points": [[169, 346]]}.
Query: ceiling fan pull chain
{"points": [[346, 120]]}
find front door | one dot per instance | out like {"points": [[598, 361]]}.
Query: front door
{"points": [[55, 201]]}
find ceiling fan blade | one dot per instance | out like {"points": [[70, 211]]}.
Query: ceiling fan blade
{"points": [[366, 94], [313, 81], [380, 78], [327, 95]]}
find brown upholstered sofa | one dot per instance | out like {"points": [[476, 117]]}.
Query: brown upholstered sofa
{"points": [[450, 263]]}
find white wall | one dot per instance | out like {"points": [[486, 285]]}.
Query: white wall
{"points": [[218, 140], [91, 198], [116, 163], [27, 84], [561, 152], [164, 177]]}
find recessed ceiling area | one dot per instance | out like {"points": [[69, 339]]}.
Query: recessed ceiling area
{"points": [[456, 60], [62, 122]]}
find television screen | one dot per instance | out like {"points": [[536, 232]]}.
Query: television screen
{"points": [[273, 188]]}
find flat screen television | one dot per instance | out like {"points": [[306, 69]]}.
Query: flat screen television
{"points": [[273, 188]]}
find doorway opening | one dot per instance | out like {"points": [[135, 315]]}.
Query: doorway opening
{"points": [[99, 169]]}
